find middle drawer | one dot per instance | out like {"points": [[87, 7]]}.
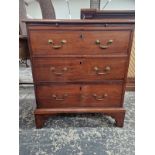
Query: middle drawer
{"points": [[78, 69]]}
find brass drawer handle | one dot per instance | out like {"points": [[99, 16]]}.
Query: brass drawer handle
{"points": [[57, 46], [61, 98], [58, 73], [100, 98], [104, 46], [106, 70]]}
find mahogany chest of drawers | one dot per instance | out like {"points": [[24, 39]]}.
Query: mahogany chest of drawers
{"points": [[80, 66]]}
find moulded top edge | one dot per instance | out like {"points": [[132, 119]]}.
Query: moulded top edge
{"points": [[80, 21]]}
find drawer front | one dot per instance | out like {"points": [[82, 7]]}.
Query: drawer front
{"points": [[74, 95], [78, 69], [48, 42]]}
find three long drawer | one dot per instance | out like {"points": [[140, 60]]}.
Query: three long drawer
{"points": [[78, 69], [53, 67], [53, 42], [76, 95]]}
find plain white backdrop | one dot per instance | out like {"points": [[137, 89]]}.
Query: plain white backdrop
{"points": [[145, 77]]}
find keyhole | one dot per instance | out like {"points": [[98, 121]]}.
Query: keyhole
{"points": [[80, 62], [81, 36], [80, 88]]}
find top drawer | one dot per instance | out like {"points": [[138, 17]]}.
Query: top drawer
{"points": [[76, 42]]}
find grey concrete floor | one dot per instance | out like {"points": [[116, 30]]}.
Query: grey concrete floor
{"points": [[73, 134]]}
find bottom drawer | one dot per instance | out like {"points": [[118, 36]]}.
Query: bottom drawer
{"points": [[75, 95]]}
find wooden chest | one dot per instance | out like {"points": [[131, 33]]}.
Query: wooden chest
{"points": [[80, 66]]}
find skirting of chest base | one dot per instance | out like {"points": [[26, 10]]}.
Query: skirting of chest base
{"points": [[42, 114]]}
